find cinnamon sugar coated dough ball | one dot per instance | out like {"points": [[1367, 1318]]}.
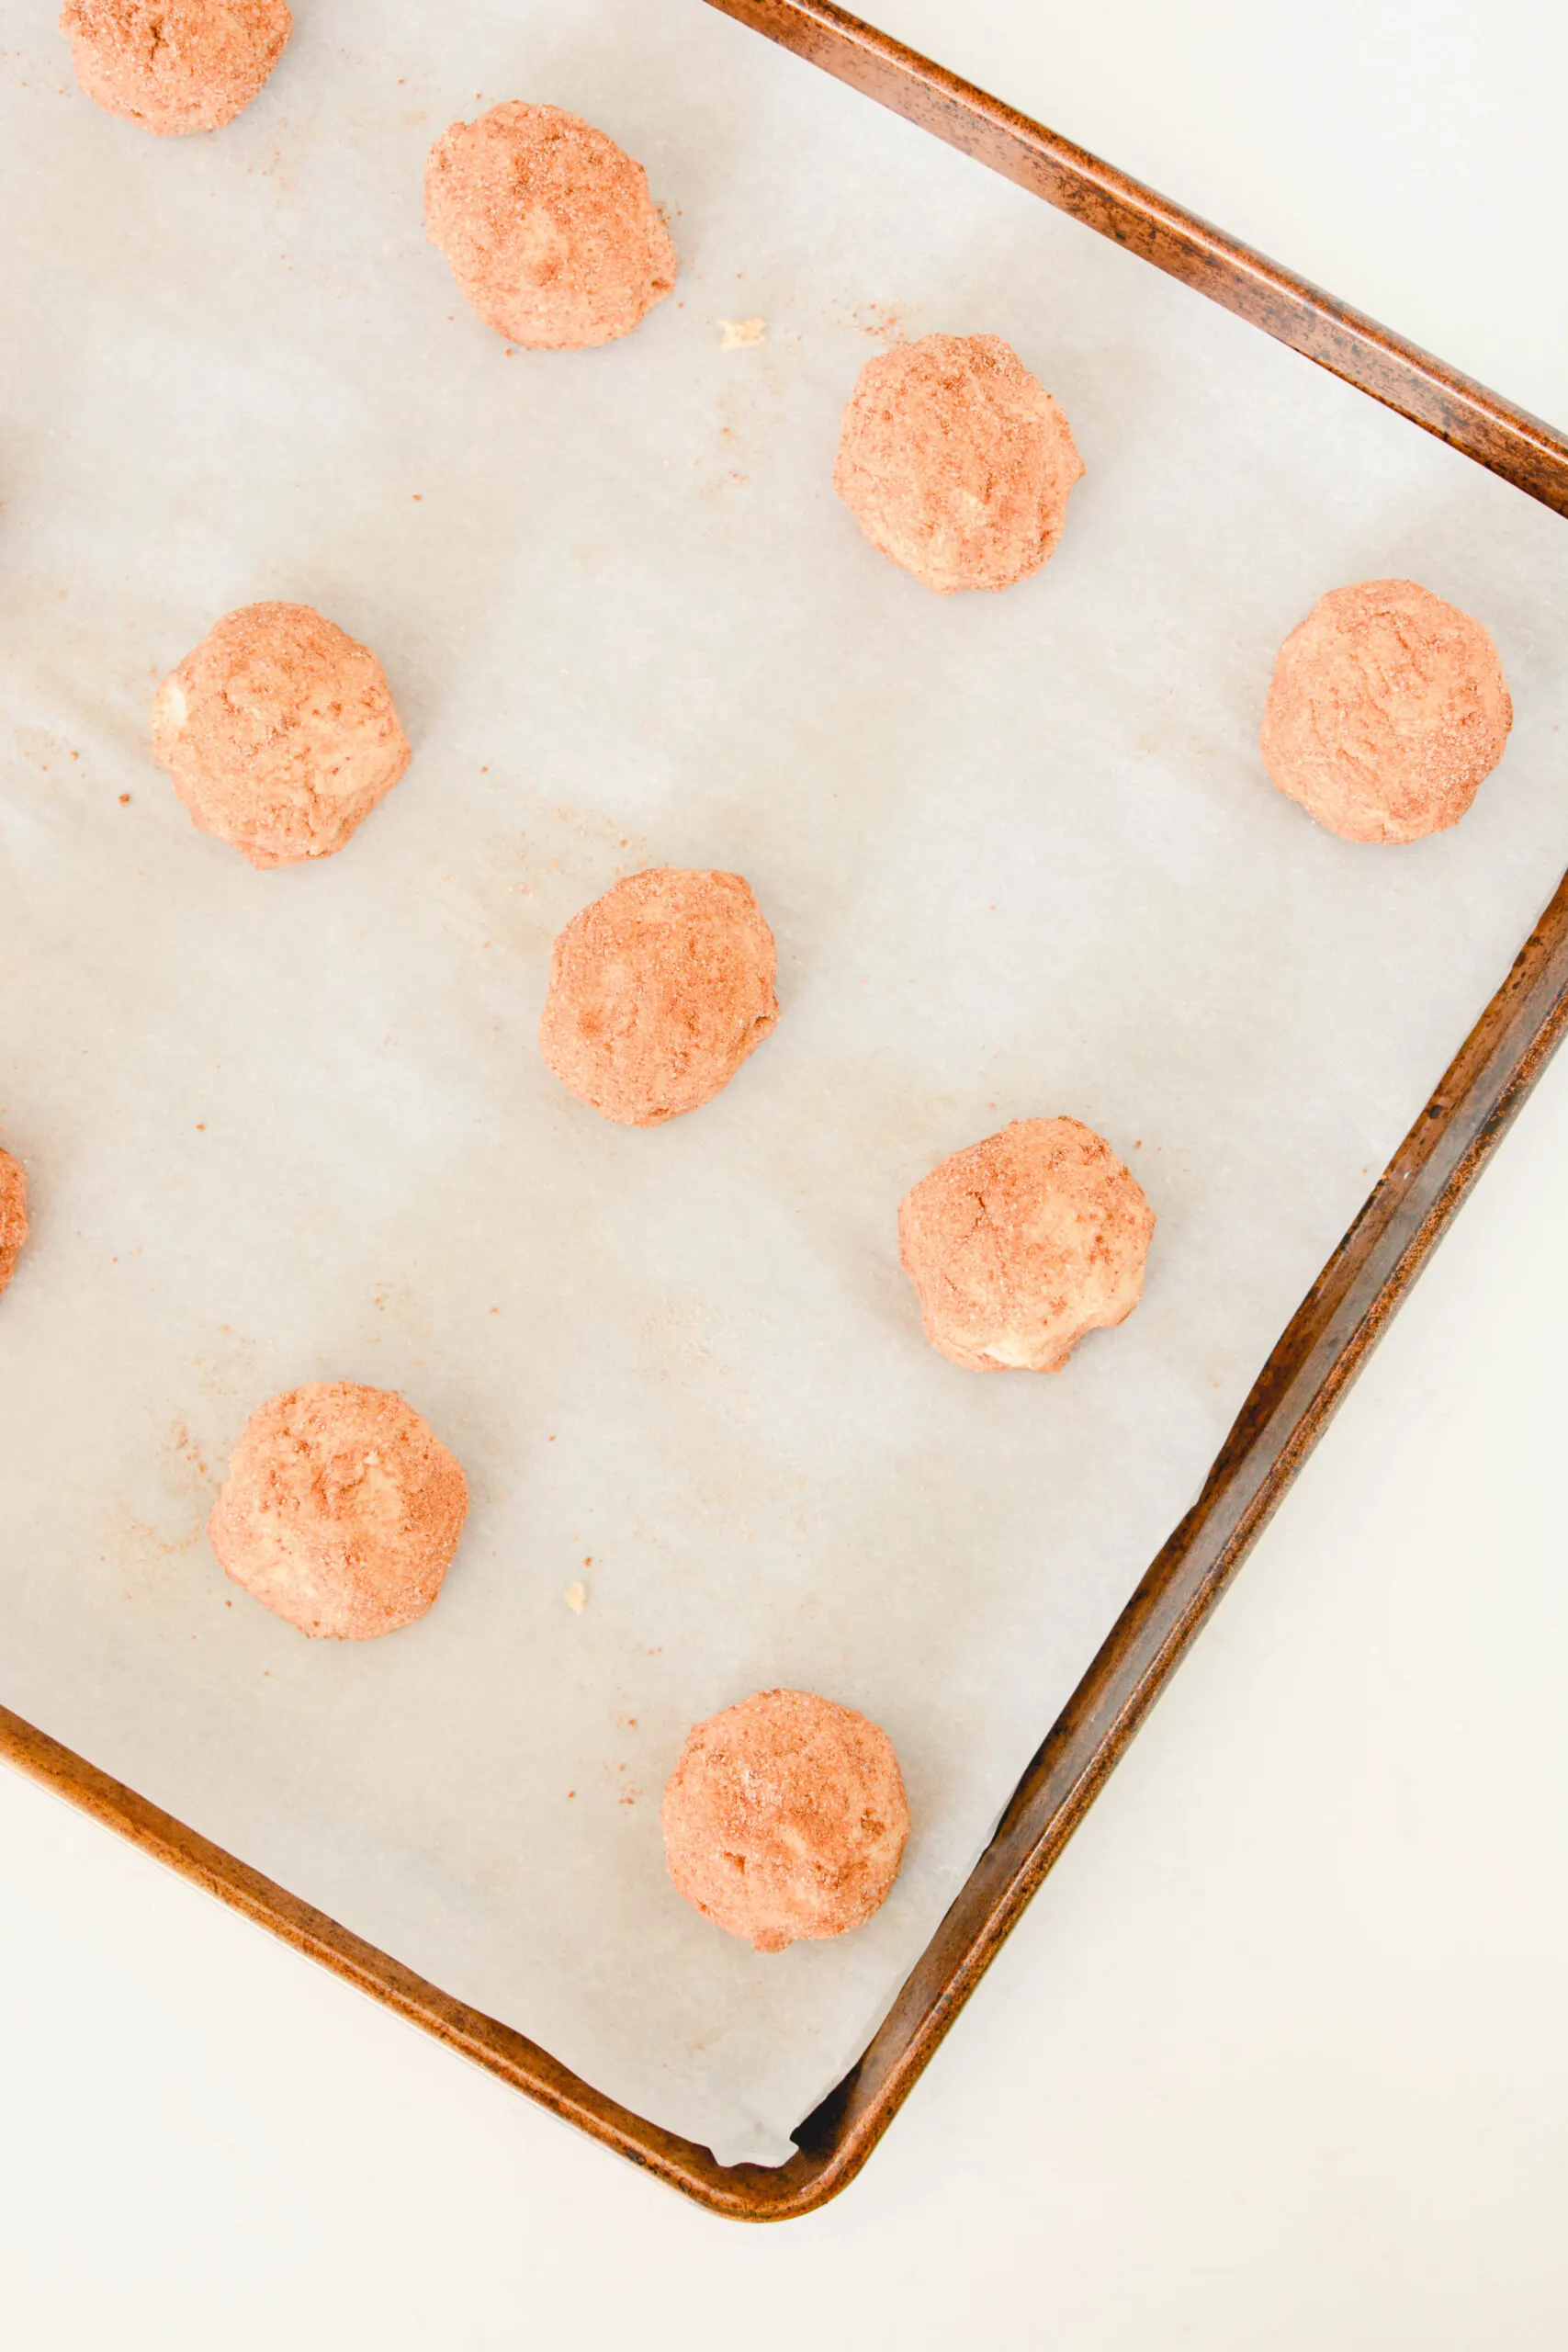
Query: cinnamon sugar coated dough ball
{"points": [[1387, 713], [342, 1510], [1023, 1243], [955, 462], [174, 65], [13, 1215], [785, 1819], [279, 733], [658, 992], [548, 226]]}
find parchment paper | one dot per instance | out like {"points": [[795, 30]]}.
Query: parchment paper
{"points": [[1020, 856]]}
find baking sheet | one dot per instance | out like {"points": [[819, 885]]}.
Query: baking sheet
{"points": [[1019, 858]]}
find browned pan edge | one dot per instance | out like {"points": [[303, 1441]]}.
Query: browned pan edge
{"points": [[1319, 1355], [1486, 427]]}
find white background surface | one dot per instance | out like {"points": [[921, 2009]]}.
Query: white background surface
{"points": [[1277, 2059]]}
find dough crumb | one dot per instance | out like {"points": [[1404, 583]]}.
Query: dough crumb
{"points": [[576, 1598], [957, 462], [342, 1511], [279, 733], [1387, 712], [174, 66], [740, 334], [785, 1819], [547, 226], [1022, 1244], [658, 992], [13, 1215]]}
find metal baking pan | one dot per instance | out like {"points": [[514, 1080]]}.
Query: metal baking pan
{"points": [[1311, 1367]]}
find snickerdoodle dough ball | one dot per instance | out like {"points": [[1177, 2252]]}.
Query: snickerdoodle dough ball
{"points": [[342, 1511], [1023, 1243], [174, 65], [13, 1215], [279, 733], [1387, 712], [658, 992], [955, 462], [548, 226], [785, 1818]]}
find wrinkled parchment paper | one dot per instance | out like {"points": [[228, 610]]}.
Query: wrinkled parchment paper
{"points": [[1020, 856]]}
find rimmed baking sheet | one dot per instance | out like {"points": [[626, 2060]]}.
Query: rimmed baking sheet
{"points": [[1019, 858]]}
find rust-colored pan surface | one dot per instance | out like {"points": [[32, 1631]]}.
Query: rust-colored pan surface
{"points": [[1314, 1362], [1507, 439]]}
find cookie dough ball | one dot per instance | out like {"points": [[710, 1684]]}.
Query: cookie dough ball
{"points": [[955, 462], [658, 992], [1387, 712], [1023, 1243], [279, 733], [548, 226], [342, 1510], [174, 65], [13, 1215], [785, 1819]]}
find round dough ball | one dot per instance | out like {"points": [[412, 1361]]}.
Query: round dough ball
{"points": [[1023, 1243], [342, 1510], [658, 992], [13, 1215], [785, 1819], [1387, 712], [174, 65], [279, 733], [955, 462], [548, 226]]}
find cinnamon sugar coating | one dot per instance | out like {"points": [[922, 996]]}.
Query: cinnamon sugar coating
{"points": [[174, 65], [279, 733], [13, 1215], [548, 226], [342, 1511], [1387, 712], [1022, 1244], [658, 992], [785, 1819], [957, 462]]}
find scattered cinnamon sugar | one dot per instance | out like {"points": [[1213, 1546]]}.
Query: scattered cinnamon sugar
{"points": [[174, 66], [342, 1511], [785, 1819], [13, 1215], [658, 992], [1387, 712], [955, 462], [548, 226], [279, 733], [884, 322], [1022, 1244]]}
